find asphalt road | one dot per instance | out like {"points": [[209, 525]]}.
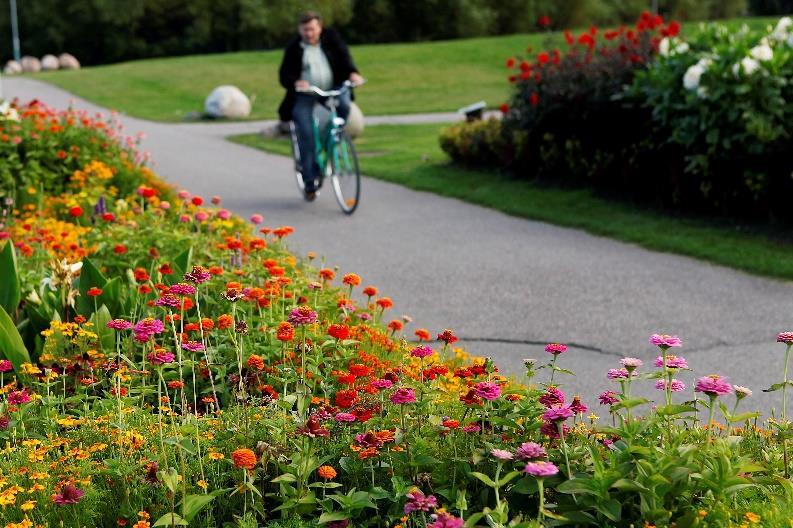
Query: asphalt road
{"points": [[505, 285]]}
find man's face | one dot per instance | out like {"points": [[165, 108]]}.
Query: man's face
{"points": [[310, 31]]}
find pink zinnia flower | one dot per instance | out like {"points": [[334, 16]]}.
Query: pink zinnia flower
{"points": [[184, 218], [551, 430], [559, 414], [502, 454], [344, 417], [69, 495], [193, 346], [224, 214], [445, 520], [197, 275], [169, 299], [665, 341], [555, 348], [160, 358], [577, 406], [713, 385], [487, 390], [742, 392], [608, 398], [215, 200], [302, 315], [181, 288], [403, 395], [417, 501], [671, 362], [541, 469], [382, 384], [165, 205], [785, 337], [675, 386], [531, 450], [631, 363], [256, 219], [119, 324], [201, 216], [148, 327], [5, 365], [421, 351], [18, 397], [620, 373], [472, 428], [552, 397], [183, 195]]}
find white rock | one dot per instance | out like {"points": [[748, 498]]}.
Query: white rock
{"points": [[30, 64], [49, 62], [354, 125], [12, 67], [68, 62], [227, 101]]}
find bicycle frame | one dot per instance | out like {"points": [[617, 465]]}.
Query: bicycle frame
{"points": [[325, 144]]}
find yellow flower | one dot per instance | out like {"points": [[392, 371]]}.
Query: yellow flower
{"points": [[752, 517], [216, 456], [28, 505], [202, 484], [29, 368]]}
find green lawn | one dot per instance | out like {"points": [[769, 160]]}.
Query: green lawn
{"points": [[404, 78], [410, 155]]}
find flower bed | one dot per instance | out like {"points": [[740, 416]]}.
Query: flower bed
{"points": [[168, 364]]}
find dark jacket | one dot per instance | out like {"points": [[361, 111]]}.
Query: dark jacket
{"points": [[292, 66]]}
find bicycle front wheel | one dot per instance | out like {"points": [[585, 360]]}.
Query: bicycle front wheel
{"points": [[346, 176]]}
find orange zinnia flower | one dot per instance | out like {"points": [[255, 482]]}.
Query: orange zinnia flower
{"points": [[370, 291], [385, 302], [423, 334], [327, 472], [256, 362], [352, 279], [326, 274], [225, 321], [244, 458], [285, 332]]}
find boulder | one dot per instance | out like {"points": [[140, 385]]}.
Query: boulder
{"points": [[30, 64], [227, 101], [49, 62], [354, 125], [68, 62], [12, 67]]}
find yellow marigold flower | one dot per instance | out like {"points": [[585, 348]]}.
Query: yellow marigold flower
{"points": [[141, 524], [144, 515], [37, 475], [28, 505], [752, 517], [36, 487], [202, 484], [216, 456], [30, 368]]}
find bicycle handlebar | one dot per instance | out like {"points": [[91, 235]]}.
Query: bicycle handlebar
{"points": [[330, 93]]}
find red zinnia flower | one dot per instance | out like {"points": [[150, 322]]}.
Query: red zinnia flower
{"points": [[94, 292], [76, 211]]}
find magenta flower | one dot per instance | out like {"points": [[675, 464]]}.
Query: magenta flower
{"points": [[541, 469], [197, 275], [403, 395], [631, 363], [69, 495], [502, 454], [184, 218], [619, 374], [577, 406], [149, 326], [169, 299], [382, 384], [785, 337], [119, 324], [713, 385], [421, 351], [344, 417], [182, 288], [5, 365], [417, 501], [487, 390], [302, 315], [555, 348], [160, 357], [559, 414], [193, 346], [445, 520], [472, 428], [550, 430], [257, 219], [18, 397], [531, 450], [742, 392], [675, 386], [608, 398], [201, 216], [665, 341], [553, 397], [223, 214], [671, 362]]}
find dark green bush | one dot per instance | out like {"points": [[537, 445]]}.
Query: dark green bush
{"points": [[478, 143]]}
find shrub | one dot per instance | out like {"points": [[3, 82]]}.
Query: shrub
{"points": [[722, 104], [478, 143]]}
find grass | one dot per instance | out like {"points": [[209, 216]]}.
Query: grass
{"points": [[410, 155], [403, 78]]}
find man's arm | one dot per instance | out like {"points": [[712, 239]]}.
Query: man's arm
{"points": [[346, 64], [289, 72]]}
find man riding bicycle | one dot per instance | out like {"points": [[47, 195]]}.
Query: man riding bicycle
{"points": [[316, 57]]}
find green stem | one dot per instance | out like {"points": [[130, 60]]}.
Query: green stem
{"points": [[540, 487]]}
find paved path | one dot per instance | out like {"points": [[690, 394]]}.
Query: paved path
{"points": [[505, 284]]}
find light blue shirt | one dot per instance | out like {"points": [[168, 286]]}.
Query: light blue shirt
{"points": [[316, 68]]}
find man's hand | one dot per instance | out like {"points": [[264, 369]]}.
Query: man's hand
{"points": [[356, 79], [302, 85]]}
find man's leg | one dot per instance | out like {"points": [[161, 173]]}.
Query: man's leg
{"points": [[343, 105], [303, 116]]}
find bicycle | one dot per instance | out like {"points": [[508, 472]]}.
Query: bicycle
{"points": [[334, 152]]}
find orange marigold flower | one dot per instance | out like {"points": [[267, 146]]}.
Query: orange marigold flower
{"points": [[244, 458], [352, 279], [225, 321], [256, 362], [285, 332], [385, 302], [327, 472]]}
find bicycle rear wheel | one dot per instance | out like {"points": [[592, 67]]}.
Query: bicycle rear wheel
{"points": [[345, 175], [301, 186]]}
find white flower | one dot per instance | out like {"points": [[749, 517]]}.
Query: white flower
{"points": [[763, 52], [669, 46], [681, 48], [747, 64], [782, 29], [702, 92], [663, 47], [692, 76]]}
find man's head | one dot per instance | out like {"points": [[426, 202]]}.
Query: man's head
{"points": [[310, 27]]}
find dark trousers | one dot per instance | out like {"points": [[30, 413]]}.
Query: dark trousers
{"points": [[303, 116]]}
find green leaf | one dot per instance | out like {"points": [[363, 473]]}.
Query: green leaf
{"points": [[107, 337], [10, 292], [611, 509], [90, 277], [674, 409], [171, 519], [194, 504], [507, 478], [11, 345], [630, 403], [286, 477], [484, 478], [577, 485], [332, 516]]}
